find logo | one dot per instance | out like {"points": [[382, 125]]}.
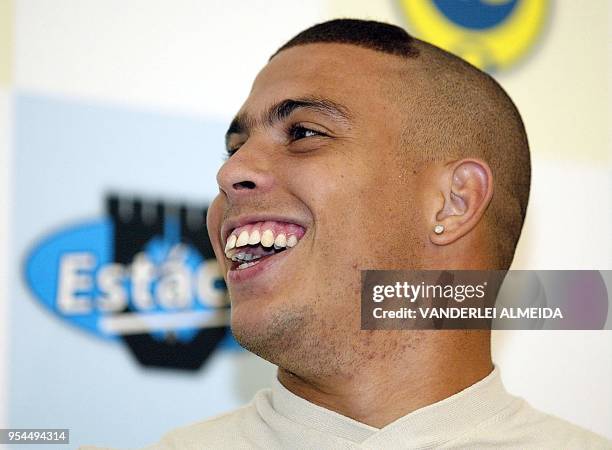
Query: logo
{"points": [[145, 275], [491, 34]]}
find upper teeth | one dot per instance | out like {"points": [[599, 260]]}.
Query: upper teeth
{"points": [[243, 239], [254, 238], [231, 242], [266, 238], [292, 241], [280, 241]]}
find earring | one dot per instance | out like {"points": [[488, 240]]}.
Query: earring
{"points": [[439, 229]]}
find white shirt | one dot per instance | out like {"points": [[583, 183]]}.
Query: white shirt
{"points": [[483, 416]]}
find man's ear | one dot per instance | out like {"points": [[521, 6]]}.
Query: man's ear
{"points": [[466, 190]]}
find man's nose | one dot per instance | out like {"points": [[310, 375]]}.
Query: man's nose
{"points": [[245, 174]]}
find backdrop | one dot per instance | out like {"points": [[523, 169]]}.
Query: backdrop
{"points": [[112, 113]]}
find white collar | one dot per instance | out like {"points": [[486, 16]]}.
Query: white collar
{"points": [[430, 425]]}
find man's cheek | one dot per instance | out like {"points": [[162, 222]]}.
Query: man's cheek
{"points": [[338, 269], [213, 225]]}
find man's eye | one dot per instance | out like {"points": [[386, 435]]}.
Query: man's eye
{"points": [[298, 132], [231, 151]]}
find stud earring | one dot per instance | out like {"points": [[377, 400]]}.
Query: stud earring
{"points": [[439, 229]]}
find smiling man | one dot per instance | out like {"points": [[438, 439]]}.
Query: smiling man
{"points": [[360, 147]]}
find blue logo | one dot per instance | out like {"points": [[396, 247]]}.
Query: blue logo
{"points": [[476, 14], [145, 275]]}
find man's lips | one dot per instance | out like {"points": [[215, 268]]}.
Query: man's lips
{"points": [[252, 245]]}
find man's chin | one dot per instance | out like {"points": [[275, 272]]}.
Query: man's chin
{"points": [[268, 332]]}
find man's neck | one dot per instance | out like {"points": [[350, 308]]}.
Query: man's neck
{"points": [[378, 392]]}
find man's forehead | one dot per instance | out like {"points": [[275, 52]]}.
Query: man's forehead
{"points": [[329, 58], [339, 72]]}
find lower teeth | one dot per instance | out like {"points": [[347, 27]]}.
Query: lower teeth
{"points": [[240, 257], [247, 264]]}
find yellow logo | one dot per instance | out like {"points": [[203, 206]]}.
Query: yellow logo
{"points": [[491, 34]]}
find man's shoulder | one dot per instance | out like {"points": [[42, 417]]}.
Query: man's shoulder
{"points": [[218, 432], [562, 431], [523, 426], [222, 431]]}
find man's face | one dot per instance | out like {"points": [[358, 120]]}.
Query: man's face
{"points": [[318, 157]]}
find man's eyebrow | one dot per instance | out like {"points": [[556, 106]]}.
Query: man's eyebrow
{"points": [[243, 123], [283, 109]]}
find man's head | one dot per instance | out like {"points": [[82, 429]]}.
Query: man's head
{"points": [[358, 139]]}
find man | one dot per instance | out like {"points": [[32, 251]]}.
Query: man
{"points": [[360, 147]]}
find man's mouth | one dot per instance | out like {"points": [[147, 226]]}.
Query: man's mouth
{"points": [[252, 243]]}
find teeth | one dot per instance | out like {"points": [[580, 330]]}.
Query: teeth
{"points": [[280, 241], [291, 241], [244, 256], [243, 239], [247, 264], [231, 242], [255, 237], [267, 238]]}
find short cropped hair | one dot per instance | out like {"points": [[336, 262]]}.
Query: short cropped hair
{"points": [[378, 36]]}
